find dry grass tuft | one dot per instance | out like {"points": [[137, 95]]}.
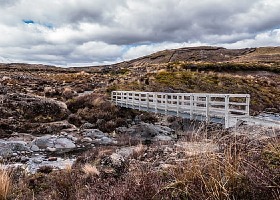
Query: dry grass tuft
{"points": [[90, 170], [138, 150], [98, 101], [5, 183], [68, 168]]}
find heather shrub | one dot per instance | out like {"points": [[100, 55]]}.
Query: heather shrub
{"points": [[96, 109]]}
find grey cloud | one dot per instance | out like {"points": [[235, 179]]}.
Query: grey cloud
{"points": [[5, 3], [94, 31]]}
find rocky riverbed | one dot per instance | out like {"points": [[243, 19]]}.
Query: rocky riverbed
{"points": [[62, 138], [36, 132], [50, 117]]}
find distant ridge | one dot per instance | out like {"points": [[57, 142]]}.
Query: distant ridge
{"points": [[208, 54]]}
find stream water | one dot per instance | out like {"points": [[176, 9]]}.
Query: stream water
{"points": [[36, 162], [269, 116]]}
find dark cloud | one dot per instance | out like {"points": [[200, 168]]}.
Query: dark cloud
{"points": [[94, 31]]}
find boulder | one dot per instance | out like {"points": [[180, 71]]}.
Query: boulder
{"points": [[116, 159], [86, 140], [34, 148], [64, 144], [94, 133], [9, 148], [104, 141], [126, 152], [163, 138], [54, 144], [44, 141], [148, 131], [87, 126]]}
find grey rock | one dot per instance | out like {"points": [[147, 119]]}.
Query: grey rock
{"points": [[117, 159], [51, 149], [163, 138], [36, 163], [126, 151], [64, 133], [15, 154], [87, 126], [37, 160], [146, 130], [121, 130], [5, 153], [86, 140], [64, 143], [70, 137], [10, 148], [44, 141], [94, 133], [19, 146], [106, 140], [24, 159], [34, 148]]}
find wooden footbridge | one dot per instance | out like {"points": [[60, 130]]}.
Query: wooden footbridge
{"points": [[227, 109]]}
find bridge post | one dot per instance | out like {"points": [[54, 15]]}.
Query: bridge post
{"points": [[121, 99], [133, 100], [126, 100], [248, 105], [139, 100], [226, 111], [155, 100], [166, 98], [112, 96], [148, 100], [207, 108], [191, 106], [117, 96], [178, 105], [195, 99]]}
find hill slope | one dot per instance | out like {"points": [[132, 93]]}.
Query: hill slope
{"points": [[196, 69], [210, 54], [207, 69]]}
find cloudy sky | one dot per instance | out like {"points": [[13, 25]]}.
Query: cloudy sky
{"points": [[94, 32]]}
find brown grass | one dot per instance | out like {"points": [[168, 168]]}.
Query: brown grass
{"points": [[5, 183], [95, 108], [242, 168], [90, 170]]}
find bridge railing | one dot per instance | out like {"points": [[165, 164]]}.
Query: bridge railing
{"points": [[195, 104]]}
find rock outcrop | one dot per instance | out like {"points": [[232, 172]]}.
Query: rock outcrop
{"points": [[149, 132]]}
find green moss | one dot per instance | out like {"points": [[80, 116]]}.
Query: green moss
{"points": [[229, 66], [262, 95], [264, 92]]}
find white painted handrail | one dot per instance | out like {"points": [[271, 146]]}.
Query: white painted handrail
{"points": [[206, 105]]}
